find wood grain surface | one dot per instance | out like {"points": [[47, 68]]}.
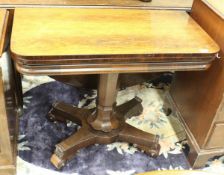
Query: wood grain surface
{"points": [[3, 27], [46, 33], [177, 4]]}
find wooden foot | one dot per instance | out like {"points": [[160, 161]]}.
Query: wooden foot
{"points": [[153, 151], [145, 141], [57, 162], [67, 148]]}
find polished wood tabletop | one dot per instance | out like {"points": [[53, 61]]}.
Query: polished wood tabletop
{"points": [[3, 26], [107, 32], [173, 4], [99, 39]]}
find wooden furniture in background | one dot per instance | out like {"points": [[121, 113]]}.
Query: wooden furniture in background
{"points": [[8, 103], [216, 6], [201, 106], [4, 15], [106, 42]]}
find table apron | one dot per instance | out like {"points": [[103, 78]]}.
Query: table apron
{"points": [[110, 68]]}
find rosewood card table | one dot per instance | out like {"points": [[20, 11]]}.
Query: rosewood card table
{"points": [[106, 42]]}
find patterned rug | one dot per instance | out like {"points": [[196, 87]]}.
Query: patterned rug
{"points": [[37, 135]]}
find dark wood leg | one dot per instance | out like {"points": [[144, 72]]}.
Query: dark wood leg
{"points": [[104, 125], [67, 148], [145, 141], [107, 93], [61, 112], [130, 108]]}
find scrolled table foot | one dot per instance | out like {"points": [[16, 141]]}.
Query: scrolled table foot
{"points": [[66, 149], [57, 161], [145, 141], [152, 151]]}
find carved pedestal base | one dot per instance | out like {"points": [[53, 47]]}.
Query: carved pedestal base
{"points": [[87, 135], [103, 125]]}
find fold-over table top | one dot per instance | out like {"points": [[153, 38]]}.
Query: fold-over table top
{"points": [[42, 35]]}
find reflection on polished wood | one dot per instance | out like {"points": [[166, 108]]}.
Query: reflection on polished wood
{"points": [[175, 4], [85, 34], [71, 40]]}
